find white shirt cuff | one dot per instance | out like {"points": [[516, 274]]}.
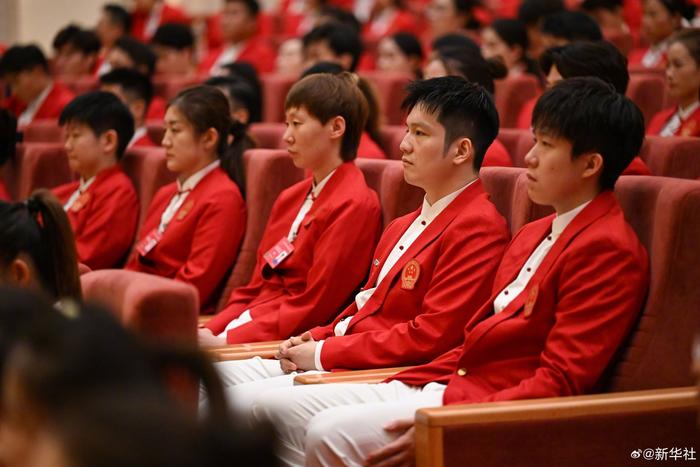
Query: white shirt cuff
{"points": [[317, 355]]}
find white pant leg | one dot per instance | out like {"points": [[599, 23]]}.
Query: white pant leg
{"points": [[347, 435], [242, 396], [290, 409]]}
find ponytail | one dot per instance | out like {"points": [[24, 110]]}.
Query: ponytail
{"points": [[232, 156], [39, 228]]}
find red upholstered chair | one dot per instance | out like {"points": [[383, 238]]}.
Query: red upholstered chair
{"points": [[41, 165], [391, 137], [157, 307], [155, 130], [606, 427], [167, 88], [672, 157], [268, 135], [648, 91], [83, 269], [275, 89], [517, 142], [511, 94], [42, 131], [622, 40], [391, 90], [508, 191], [146, 167], [268, 172]]}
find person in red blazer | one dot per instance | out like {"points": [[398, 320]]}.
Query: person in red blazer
{"points": [[566, 294], [102, 205], [34, 95], [313, 254], [135, 90], [149, 14], [453, 244], [194, 227], [683, 82], [242, 42], [387, 18], [662, 18]]}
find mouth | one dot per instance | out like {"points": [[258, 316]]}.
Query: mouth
{"points": [[406, 161], [530, 178]]}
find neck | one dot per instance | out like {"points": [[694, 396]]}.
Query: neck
{"points": [[104, 164], [576, 200], [444, 188], [41, 84], [687, 101], [183, 176], [322, 172]]}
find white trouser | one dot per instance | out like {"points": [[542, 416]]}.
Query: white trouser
{"points": [[339, 424]]}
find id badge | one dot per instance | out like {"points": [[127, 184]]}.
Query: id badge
{"points": [[278, 253], [149, 242]]}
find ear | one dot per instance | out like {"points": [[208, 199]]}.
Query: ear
{"points": [[462, 151], [210, 138], [593, 165], [109, 141], [138, 108], [337, 126], [20, 273]]}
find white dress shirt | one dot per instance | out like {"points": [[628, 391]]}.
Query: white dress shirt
{"points": [[33, 107], [138, 134], [82, 188], [674, 123], [316, 188], [533, 262], [228, 55], [153, 20], [427, 215], [654, 54], [183, 190]]}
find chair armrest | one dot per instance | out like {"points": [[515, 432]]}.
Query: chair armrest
{"points": [[243, 351], [202, 320], [607, 429], [376, 375]]}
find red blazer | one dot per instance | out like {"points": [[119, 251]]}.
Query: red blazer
{"points": [[4, 194], [458, 254], [105, 223], [497, 156], [404, 21], [331, 254], [156, 109], [50, 109], [368, 149], [201, 243], [557, 337], [637, 167], [256, 51], [169, 14], [689, 127], [636, 55]]}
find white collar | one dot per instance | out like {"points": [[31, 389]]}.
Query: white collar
{"points": [[317, 187], [562, 220], [85, 184], [688, 111], [138, 134], [33, 106], [197, 177], [430, 212]]}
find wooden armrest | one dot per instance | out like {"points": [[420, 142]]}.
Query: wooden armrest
{"points": [[607, 428], [376, 375], [243, 351]]}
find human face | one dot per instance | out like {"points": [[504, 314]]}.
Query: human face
{"points": [[553, 77], [554, 177], [23, 85], [236, 22], [137, 107], [319, 51], [309, 142], [290, 58], [435, 69], [657, 22], [70, 62], [391, 58], [443, 18], [117, 58], [107, 31], [682, 75], [492, 46], [172, 62], [86, 151], [423, 152], [186, 152]]}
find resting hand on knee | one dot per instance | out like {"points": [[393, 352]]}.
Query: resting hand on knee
{"points": [[401, 451]]}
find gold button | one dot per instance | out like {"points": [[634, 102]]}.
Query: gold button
{"points": [[462, 372]]}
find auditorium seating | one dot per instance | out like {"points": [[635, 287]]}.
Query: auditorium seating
{"points": [[648, 91], [40, 165], [162, 309], [275, 89], [42, 131], [606, 427], [391, 90], [672, 157], [511, 94], [268, 135], [517, 142]]}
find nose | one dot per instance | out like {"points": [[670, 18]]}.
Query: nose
{"points": [[166, 142], [287, 135], [405, 145], [531, 158]]}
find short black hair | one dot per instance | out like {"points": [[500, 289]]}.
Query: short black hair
{"points": [[83, 40], [322, 67], [600, 59], [252, 6], [8, 136], [341, 39], [512, 32], [174, 35], [591, 115], [572, 26], [135, 84], [464, 108], [409, 44], [340, 15], [249, 74], [593, 5], [117, 14], [140, 53], [471, 65], [240, 92], [456, 40], [680, 7], [20, 58], [532, 11], [101, 111]]}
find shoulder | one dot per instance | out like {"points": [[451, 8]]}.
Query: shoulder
{"points": [[218, 188], [62, 192]]}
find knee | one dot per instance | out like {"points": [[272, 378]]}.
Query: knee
{"points": [[326, 441]]}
